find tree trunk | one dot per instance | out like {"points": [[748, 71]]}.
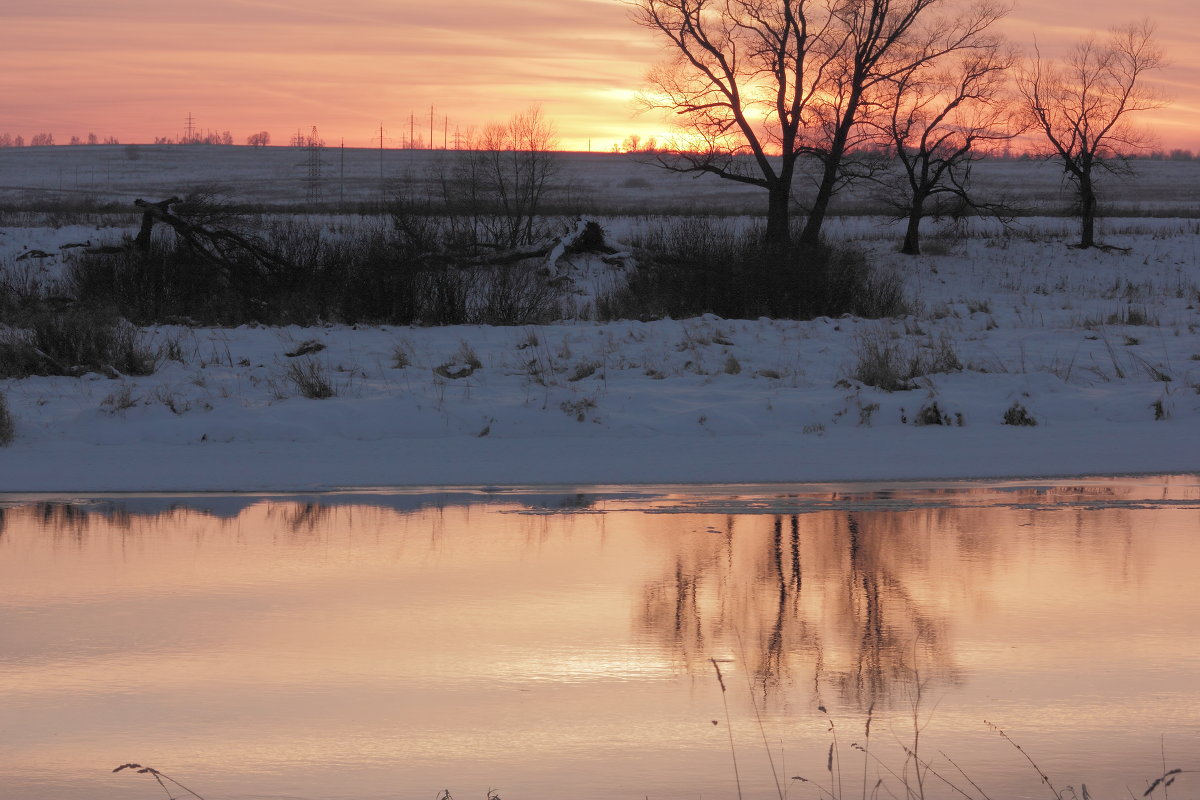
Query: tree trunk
{"points": [[912, 235], [811, 235], [831, 167], [779, 224], [1087, 212]]}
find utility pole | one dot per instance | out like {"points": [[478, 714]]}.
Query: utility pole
{"points": [[382, 185], [411, 129], [189, 131], [381, 138], [431, 127]]}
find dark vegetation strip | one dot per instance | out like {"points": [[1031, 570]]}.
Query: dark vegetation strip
{"points": [[414, 269]]}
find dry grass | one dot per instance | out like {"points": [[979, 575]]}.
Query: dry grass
{"points": [[310, 378], [893, 364]]}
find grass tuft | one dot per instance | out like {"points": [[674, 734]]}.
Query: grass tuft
{"points": [[893, 365], [1017, 414], [310, 378]]}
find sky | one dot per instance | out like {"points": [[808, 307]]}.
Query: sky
{"points": [[136, 69]]}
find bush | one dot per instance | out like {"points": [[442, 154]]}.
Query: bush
{"points": [[358, 277], [698, 265]]}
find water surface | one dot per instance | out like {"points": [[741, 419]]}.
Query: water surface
{"points": [[561, 644]]}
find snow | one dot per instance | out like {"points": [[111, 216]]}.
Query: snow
{"points": [[703, 400], [592, 182]]}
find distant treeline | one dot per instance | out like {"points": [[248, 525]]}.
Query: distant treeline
{"points": [[632, 145], [47, 139]]}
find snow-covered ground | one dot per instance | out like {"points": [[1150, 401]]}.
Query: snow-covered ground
{"points": [[1101, 349], [585, 182]]}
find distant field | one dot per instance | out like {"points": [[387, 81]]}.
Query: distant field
{"points": [[45, 178]]}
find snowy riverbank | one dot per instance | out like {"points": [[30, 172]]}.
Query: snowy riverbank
{"points": [[1101, 349]]}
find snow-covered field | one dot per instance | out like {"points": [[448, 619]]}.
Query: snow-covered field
{"points": [[587, 182], [1101, 349]]}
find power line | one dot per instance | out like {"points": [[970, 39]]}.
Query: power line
{"points": [[315, 145]]}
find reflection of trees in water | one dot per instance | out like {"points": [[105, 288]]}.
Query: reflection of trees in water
{"points": [[850, 602], [70, 521], [828, 595], [300, 518]]}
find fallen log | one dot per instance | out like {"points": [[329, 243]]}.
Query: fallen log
{"points": [[216, 245]]}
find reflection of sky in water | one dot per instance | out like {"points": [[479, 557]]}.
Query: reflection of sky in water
{"points": [[392, 644]]}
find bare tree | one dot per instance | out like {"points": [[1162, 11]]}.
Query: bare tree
{"points": [[501, 183], [1082, 105], [760, 83], [945, 117]]}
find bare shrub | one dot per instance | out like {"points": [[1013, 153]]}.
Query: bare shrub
{"points": [[495, 188]]}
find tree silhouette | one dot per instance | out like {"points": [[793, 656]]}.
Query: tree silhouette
{"points": [[758, 84], [1082, 105]]}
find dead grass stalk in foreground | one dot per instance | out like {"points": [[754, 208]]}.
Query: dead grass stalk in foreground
{"points": [[162, 778], [728, 727]]}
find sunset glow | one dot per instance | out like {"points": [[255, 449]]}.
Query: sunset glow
{"points": [[135, 69]]}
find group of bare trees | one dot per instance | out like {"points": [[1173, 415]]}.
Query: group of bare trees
{"points": [[496, 187], [773, 91], [635, 143]]}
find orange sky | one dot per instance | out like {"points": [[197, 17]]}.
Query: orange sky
{"points": [[135, 69]]}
